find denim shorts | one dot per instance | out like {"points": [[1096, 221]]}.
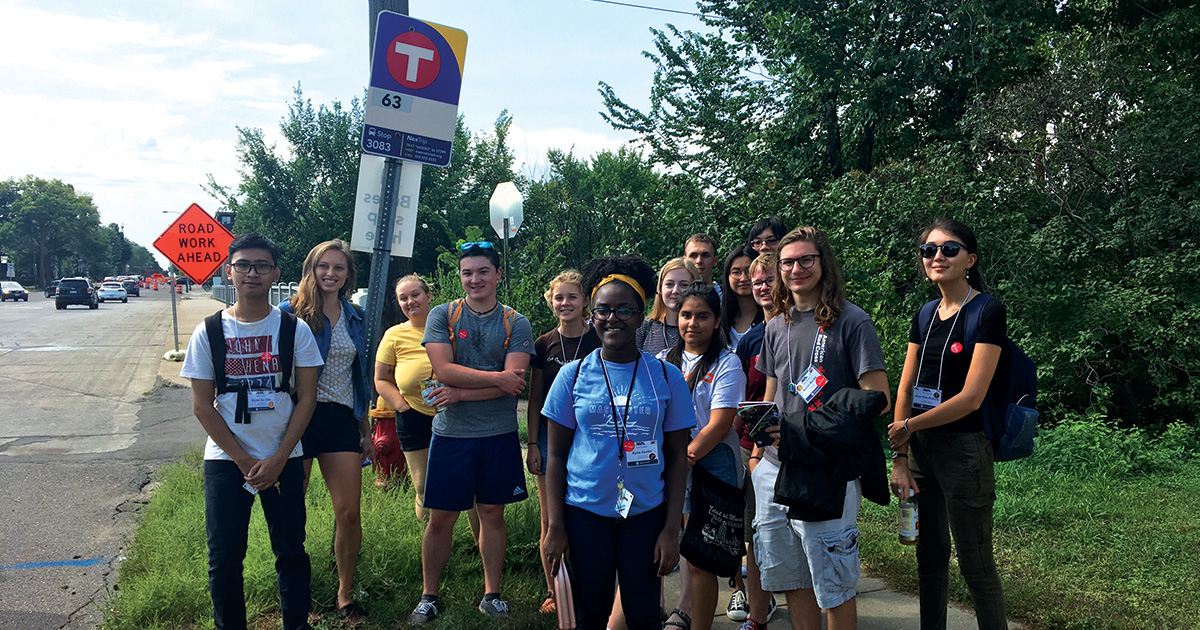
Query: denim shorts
{"points": [[821, 555], [720, 462]]}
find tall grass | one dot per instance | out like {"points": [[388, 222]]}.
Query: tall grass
{"points": [[163, 582], [1098, 530]]}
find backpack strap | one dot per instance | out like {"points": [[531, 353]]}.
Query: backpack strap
{"points": [[974, 318], [925, 315], [216, 343], [510, 315], [287, 349], [454, 313]]}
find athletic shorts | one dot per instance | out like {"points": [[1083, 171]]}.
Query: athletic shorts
{"points": [[465, 471], [333, 429], [722, 463], [414, 429], [821, 555]]}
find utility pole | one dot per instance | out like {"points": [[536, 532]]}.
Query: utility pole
{"points": [[382, 310]]}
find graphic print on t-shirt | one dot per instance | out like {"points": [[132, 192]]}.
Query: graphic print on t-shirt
{"points": [[249, 360]]}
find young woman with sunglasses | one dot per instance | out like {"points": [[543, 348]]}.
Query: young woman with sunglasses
{"points": [[941, 453], [339, 436], [816, 344], [570, 340], [617, 461], [715, 377], [738, 308], [660, 330]]}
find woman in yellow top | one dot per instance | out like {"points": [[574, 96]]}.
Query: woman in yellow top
{"points": [[400, 366]]}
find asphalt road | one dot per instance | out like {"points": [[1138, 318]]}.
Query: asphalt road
{"points": [[82, 429]]}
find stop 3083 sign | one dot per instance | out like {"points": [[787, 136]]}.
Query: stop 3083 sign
{"points": [[416, 78], [195, 243]]}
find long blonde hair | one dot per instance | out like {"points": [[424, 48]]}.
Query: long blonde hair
{"points": [[659, 311], [833, 287], [309, 301]]}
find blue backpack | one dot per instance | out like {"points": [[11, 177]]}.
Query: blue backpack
{"points": [[1009, 413]]}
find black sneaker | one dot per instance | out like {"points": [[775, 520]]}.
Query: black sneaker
{"points": [[496, 608], [423, 613]]}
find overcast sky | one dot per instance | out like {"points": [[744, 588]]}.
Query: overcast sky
{"points": [[135, 101]]}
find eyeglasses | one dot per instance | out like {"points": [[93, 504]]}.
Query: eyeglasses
{"points": [[623, 313], [950, 249], [261, 268], [759, 242], [484, 244], [758, 284], [805, 262]]}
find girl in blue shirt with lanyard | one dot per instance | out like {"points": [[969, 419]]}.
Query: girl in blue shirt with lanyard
{"points": [[617, 461], [941, 453]]}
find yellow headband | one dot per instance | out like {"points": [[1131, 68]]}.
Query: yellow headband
{"points": [[623, 278]]}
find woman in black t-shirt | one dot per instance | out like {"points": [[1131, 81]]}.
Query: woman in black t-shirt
{"points": [[941, 453], [573, 338]]}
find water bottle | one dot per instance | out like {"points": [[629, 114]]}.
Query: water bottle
{"points": [[910, 524]]}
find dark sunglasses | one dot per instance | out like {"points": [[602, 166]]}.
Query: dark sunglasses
{"points": [[950, 249], [484, 244]]}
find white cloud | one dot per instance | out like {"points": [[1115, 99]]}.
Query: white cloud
{"points": [[530, 147]]}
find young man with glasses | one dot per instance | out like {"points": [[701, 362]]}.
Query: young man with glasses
{"points": [[243, 402], [479, 350], [816, 345]]}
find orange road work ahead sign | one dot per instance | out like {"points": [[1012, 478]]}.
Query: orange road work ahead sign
{"points": [[195, 243]]}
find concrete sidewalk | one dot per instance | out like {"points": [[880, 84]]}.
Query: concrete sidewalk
{"points": [[879, 608]]}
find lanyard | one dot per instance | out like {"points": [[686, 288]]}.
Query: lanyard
{"points": [[812, 355], [563, 346], [942, 360], [621, 430]]}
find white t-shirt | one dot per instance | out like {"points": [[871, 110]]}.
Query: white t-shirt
{"points": [[245, 345], [722, 388]]}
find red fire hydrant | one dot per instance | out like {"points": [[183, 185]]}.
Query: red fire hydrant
{"points": [[389, 462]]}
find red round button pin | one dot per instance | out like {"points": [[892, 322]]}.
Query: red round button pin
{"points": [[956, 347], [462, 334], [628, 446]]}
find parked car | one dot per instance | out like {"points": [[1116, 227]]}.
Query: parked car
{"points": [[50, 290], [111, 291], [75, 291], [132, 288], [13, 291]]}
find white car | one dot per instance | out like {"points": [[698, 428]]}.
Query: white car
{"points": [[112, 291]]}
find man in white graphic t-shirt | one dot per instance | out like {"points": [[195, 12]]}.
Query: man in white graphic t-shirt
{"points": [[241, 394]]}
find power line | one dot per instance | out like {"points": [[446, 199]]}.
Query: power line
{"points": [[649, 8]]}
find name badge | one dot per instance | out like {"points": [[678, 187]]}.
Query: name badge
{"points": [[926, 397], [624, 501], [643, 454], [260, 400], [811, 383]]}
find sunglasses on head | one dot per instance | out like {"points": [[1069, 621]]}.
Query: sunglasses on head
{"points": [[484, 244], [950, 249]]}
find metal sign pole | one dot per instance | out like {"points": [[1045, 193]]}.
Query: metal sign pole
{"points": [[507, 296], [174, 312], [382, 253]]}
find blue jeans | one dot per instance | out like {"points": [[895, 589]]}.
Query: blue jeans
{"points": [[227, 522]]}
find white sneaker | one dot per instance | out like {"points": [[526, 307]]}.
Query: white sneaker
{"points": [[738, 608]]}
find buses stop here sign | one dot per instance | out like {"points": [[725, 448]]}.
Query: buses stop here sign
{"points": [[195, 243]]}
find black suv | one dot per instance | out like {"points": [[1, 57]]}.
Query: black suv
{"points": [[132, 288], [75, 291]]}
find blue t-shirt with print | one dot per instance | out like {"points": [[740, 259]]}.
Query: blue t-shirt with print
{"points": [[659, 405]]}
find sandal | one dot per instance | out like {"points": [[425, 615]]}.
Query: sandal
{"points": [[352, 614], [685, 622], [548, 606]]}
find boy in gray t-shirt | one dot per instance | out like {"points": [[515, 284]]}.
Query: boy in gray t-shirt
{"points": [[479, 350]]}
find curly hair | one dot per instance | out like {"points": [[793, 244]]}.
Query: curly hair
{"points": [[309, 301], [632, 265], [832, 286]]}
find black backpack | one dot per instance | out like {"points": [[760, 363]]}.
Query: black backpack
{"points": [[1009, 408], [216, 342]]}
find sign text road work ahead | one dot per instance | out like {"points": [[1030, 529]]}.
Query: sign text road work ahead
{"points": [[195, 243]]}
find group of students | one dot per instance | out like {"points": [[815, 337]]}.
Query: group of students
{"points": [[631, 416]]}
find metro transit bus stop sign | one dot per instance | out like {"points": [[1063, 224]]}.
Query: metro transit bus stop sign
{"points": [[195, 243], [416, 78]]}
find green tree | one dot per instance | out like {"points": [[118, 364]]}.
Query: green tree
{"points": [[49, 226]]}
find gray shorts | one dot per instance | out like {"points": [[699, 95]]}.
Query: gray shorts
{"points": [[821, 555]]}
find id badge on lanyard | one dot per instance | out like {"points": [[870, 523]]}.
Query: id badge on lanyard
{"points": [[813, 380], [260, 400], [926, 398]]}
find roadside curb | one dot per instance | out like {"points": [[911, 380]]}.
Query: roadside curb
{"points": [[191, 311]]}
